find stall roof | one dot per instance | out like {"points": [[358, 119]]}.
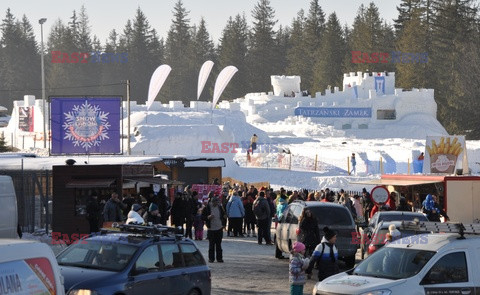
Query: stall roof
{"points": [[155, 180], [402, 180], [90, 183]]}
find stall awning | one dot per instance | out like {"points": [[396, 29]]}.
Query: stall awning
{"points": [[398, 182], [90, 183], [155, 180]]}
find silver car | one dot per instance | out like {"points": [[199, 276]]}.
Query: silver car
{"points": [[335, 216]]}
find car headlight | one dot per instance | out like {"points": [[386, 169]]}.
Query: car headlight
{"points": [[82, 292], [378, 292]]}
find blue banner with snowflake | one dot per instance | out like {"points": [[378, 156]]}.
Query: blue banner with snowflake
{"points": [[85, 125]]}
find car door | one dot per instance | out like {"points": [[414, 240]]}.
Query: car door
{"points": [[451, 274], [286, 220], [146, 270], [295, 211], [174, 276], [197, 273]]}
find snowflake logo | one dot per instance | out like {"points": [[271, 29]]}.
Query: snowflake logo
{"points": [[86, 125]]}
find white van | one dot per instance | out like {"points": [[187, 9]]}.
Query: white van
{"points": [[29, 267], [445, 263], [8, 203]]}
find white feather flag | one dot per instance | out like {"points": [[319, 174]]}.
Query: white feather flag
{"points": [[222, 80], [203, 76], [156, 83]]}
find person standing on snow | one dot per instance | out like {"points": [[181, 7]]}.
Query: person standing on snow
{"points": [[253, 142], [354, 164]]}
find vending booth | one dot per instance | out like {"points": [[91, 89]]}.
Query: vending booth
{"points": [[459, 195]]}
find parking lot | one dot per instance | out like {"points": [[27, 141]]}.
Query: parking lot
{"points": [[250, 268]]}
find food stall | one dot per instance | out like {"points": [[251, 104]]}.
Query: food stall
{"points": [[459, 195]]}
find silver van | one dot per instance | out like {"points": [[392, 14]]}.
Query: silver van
{"points": [[335, 216]]}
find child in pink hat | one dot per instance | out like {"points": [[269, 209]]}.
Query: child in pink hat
{"points": [[297, 267]]}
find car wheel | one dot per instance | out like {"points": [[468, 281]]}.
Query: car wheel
{"points": [[194, 292], [350, 261], [278, 252]]}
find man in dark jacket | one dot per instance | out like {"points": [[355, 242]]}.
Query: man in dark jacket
{"points": [[261, 209], [214, 216], [178, 211], [93, 213], [112, 209]]}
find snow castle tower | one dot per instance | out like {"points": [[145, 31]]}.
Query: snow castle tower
{"points": [[285, 85]]}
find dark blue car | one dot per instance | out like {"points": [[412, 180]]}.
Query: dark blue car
{"points": [[134, 263]]}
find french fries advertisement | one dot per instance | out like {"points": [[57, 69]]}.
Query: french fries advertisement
{"points": [[442, 153]]}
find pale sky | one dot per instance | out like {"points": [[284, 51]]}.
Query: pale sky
{"points": [[105, 15]]}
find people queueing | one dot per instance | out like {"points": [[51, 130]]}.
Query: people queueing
{"points": [[135, 215], [433, 210], [250, 220], [152, 215], [178, 211], [261, 209], [214, 216], [325, 256], [298, 264], [235, 213], [309, 232], [112, 211], [198, 224], [94, 213]]}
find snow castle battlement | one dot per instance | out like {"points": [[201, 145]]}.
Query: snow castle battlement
{"points": [[367, 100]]}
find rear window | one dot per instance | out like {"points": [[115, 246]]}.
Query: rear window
{"points": [[332, 215], [407, 217]]}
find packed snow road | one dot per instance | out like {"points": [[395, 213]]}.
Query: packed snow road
{"points": [[250, 268]]}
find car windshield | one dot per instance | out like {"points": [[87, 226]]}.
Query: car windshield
{"points": [[407, 217], [331, 215], [97, 255], [393, 263]]}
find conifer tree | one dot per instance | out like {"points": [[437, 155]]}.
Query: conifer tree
{"points": [[232, 51], [298, 57], [204, 50], [19, 59], [453, 29], [261, 55], [328, 68], [413, 32], [3, 145], [178, 54], [313, 38]]}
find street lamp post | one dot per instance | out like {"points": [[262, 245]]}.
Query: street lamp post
{"points": [[41, 21]]}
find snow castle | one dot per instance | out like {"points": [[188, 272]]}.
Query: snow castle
{"points": [[368, 100]]}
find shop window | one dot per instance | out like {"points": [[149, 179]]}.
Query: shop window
{"points": [[386, 115], [362, 126], [347, 126]]}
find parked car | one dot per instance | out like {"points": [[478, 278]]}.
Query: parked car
{"points": [[378, 236], [136, 260], [367, 232], [335, 216], [445, 263], [28, 267]]}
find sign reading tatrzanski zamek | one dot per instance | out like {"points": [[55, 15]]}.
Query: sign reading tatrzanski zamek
{"points": [[85, 125], [334, 112]]}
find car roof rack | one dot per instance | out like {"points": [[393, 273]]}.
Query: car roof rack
{"points": [[449, 227], [145, 230]]}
